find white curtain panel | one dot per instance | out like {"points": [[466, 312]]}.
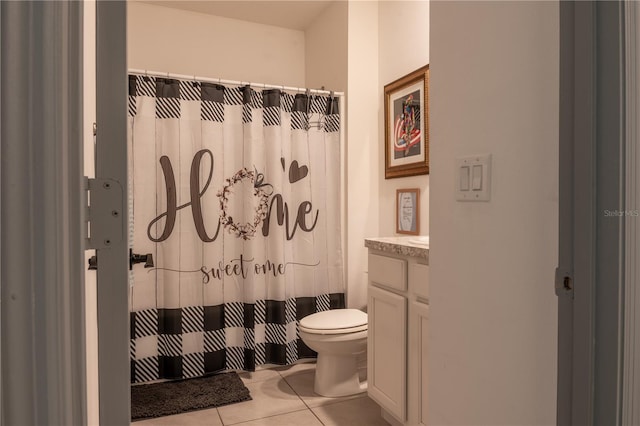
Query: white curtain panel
{"points": [[236, 196]]}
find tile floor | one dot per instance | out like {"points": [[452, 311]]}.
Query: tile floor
{"points": [[282, 396]]}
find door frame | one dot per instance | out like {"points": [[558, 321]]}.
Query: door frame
{"points": [[111, 163], [590, 275], [631, 368]]}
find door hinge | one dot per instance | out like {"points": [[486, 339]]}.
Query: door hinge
{"points": [[564, 282], [104, 214]]}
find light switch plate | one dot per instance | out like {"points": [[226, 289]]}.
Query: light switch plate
{"points": [[478, 188]]}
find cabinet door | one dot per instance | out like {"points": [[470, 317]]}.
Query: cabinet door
{"points": [[387, 351], [419, 280], [418, 331]]}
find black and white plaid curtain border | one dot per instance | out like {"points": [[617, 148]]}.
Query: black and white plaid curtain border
{"points": [[170, 92]]}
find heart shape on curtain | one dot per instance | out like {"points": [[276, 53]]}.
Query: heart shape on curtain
{"points": [[296, 173]]}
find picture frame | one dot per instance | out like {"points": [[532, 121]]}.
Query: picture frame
{"points": [[406, 125], [408, 211]]}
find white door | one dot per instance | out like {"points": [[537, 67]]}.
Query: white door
{"points": [[42, 334]]}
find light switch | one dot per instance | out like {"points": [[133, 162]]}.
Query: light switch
{"points": [[476, 182], [464, 178], [473, 178]]}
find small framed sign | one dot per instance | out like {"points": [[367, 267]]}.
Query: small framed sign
{"points": [[408, 211]]}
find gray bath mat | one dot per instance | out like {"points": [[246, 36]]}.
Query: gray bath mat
{"points": [[167, 398]]}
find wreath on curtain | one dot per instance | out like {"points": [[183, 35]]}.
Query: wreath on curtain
{"points": [[247, 230]]}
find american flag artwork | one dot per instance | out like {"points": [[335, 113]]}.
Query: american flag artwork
{"points": [[407, 126]]}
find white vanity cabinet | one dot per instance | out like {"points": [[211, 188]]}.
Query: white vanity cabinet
{"points": [[397, 337]]}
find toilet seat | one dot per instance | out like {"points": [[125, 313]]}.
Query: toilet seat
{"points": [[336, 321]]}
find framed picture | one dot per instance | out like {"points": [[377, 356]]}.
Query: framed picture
{"points": [[406, 124], [408, 211]]}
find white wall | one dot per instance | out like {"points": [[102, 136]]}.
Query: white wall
{"points": [[190, 43], [326, 49], [403, 47], [363, 151], [492, 315], [378, 54]]}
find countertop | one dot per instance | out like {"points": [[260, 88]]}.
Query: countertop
{"points": [[398, 245]]}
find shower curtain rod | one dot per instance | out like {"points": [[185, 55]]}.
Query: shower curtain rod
{"points": [[232, 82]]}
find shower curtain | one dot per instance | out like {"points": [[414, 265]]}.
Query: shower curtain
{"points": [[235, 194]]}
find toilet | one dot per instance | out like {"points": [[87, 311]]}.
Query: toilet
{"points": [[338, 336]]}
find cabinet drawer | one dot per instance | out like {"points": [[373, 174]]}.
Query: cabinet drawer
{"points": [[388, 271], [419, 280]]}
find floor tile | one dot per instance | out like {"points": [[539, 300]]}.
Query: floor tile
{"points": [[302, 384], [301, 367], [207, 417], [355, 412], [270, 397], [297, 418], [258, 375]]}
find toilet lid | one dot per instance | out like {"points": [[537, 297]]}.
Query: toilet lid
{"points": [[335, 319]]}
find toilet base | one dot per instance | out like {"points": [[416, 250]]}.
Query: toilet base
{"points": [[337, 375]]}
